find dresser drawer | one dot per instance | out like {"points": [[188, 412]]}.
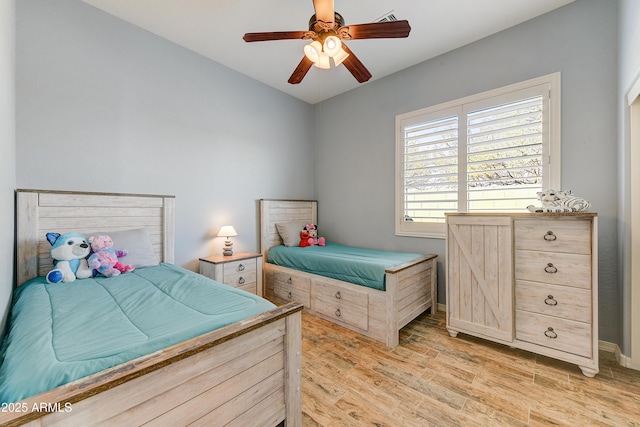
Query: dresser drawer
{"points": [[343, 305], [553, 300], [554, 235], [249, 287], [555, 268], [290, 287], [560, 334], [240, 273]]}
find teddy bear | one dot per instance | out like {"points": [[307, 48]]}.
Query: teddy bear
{"points": [[69, 252], [314, 240], [104, 258]]}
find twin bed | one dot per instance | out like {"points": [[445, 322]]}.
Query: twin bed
{"points": [[165, 346], [236, 361], [373, 292]]}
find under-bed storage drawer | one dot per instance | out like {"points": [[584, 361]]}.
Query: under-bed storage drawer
{"points": [[341, 304], [290, 287]]}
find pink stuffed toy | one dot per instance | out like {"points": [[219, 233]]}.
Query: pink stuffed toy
{"points": [[314, 240], [104, 258]]}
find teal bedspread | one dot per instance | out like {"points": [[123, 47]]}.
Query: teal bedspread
{"points": [[361, 266], [62, 332]]}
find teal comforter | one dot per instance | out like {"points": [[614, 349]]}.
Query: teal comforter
{"points": [[62, 332], [361, 266]]}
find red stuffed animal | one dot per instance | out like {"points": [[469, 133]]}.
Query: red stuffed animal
{"points": [[304, 239]]}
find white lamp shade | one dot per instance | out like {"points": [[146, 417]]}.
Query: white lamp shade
{"points": [[332, 46], [323, 61], [313, 51], [339, 57], [227, 231]]}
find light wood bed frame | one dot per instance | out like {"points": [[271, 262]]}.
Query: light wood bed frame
{"points": [[410, 287], [248, 373]]}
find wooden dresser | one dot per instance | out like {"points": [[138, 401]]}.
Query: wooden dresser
{"points": [[526, 280], [241, 270]]}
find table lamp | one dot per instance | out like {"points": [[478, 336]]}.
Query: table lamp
{"points": [[227, 231]]}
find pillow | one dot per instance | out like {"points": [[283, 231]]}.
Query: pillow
{"points": [[290, 232], [137, 243]]}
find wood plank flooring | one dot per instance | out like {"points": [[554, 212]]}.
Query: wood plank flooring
{"points": [[431, 379]]}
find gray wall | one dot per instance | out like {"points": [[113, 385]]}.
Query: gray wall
{"points": [[628, 74], [105, 106], [7, 150], [355, 160]]}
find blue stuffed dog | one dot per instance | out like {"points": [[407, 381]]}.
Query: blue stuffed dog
{"points": [[69, 252]]}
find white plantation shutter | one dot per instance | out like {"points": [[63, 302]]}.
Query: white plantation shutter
{"points": [[504, 155], [486, 153], [431, 169]]}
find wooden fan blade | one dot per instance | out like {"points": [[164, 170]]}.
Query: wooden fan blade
{"points": [[324, 10], [274, 35], [300, 71], [379, 30], [355, 67]]}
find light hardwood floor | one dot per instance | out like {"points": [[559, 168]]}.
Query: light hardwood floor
{"points": [[431, 379]]}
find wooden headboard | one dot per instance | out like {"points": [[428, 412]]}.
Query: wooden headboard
{"points": [[280, 211], [39, 212]]}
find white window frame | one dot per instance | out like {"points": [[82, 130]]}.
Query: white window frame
{"points": [[551, 143]]}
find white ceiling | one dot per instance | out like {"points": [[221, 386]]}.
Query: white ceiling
{"points": [[214, 29]]}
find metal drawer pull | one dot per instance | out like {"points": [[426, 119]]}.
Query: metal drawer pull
{"points": [[549, 333], [550, 237], [241, 267], [241, 281], [550, 268], [338, 296], [289, 295], [338, 312], [289, 281], [550, 300]]}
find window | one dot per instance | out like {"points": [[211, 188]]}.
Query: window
{"points": [[488, 152]]}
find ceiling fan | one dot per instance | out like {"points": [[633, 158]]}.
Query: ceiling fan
{"points": [[327, 32]]}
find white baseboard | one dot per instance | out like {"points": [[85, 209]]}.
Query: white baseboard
{"points": [[611, 348], [625, 361]]}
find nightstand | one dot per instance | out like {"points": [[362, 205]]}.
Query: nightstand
{"points": [[241, 270]]}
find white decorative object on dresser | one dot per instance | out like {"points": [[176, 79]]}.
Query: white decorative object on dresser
{"points": [[241, 270], [526, 280]]}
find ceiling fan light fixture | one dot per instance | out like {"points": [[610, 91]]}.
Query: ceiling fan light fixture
{"points": [[340, 56], [332, 45], [323, 61], [326, 32], [313, 51]]}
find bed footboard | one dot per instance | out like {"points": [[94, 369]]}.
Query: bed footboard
{"points": [[248, 373], [416, 285]]}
